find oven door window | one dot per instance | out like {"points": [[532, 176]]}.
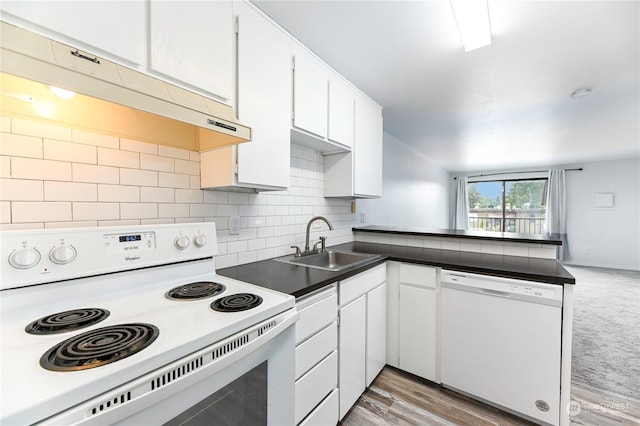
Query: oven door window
{"points": [[241, 402]]}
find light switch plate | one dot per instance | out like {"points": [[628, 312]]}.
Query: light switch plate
{"points": [[234, 225]]}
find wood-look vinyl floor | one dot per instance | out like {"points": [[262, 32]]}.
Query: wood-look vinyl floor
{"points": [[399, 398]]}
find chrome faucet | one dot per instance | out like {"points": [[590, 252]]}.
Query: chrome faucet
{"points": [[313, 219]]}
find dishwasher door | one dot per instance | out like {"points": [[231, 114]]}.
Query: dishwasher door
{"points": [[501, 341]]}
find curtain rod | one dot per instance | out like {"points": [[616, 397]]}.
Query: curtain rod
{"points": [[512, 173]]}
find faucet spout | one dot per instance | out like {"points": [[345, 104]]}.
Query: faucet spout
{"points": [[313, 219]]}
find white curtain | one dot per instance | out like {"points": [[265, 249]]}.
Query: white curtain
{"points": [[556, 222], [460, 217]]}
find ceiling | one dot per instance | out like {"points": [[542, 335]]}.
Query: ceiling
{"points": [[501, 107]]}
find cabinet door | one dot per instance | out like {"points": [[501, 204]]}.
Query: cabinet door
{"points": [[376, 331], [113, 27], [418, 339], [367, 149], [352, 347], [192, 42], [310, 94], [341, 103], [264, 99]]}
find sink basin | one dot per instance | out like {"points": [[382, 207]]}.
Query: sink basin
{"points": [[330, 260]]}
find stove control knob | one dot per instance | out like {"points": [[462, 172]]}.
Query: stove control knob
{"points": [[182, 242], [24, 258], [200, 240], [63, 254]]}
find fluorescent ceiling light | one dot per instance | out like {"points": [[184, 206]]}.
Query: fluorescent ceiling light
{"points": [[472, 17]]}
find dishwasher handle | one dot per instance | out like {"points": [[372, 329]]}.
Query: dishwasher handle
{"points": [[494, 292]]}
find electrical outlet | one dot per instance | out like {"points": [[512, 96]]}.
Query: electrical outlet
{"points": [[587, 250], [361, 217], [234, 225]]}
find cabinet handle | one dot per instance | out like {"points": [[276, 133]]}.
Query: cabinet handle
{"points": [[77, 53]]}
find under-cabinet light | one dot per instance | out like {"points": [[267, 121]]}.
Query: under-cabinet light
{"points": [[62, 93], [472, 17]]}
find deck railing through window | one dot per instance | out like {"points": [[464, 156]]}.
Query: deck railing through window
{"points": [[529, 222]]}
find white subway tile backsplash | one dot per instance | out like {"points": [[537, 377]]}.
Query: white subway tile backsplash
{"points": [[67, 151], [266, 210], [492, 248], [137, 146], [173, 210], [226, 261], [227, 210], [156, 163], [138, 211], [20, 145], [257, 221], [95, 174], [187, 167], [189, 219], [236, 246], [70, 191], [97, 139], [5, 124], [470, 247], [512, 250], [168, 151], [95, 211], [138, 177], [202, 210], [265, 232], [248, 210], [189, 196], [194, 156], [247, 257], [157, 195], [264, 254], [238, 198], [118, 158], [173, 180], [40, 129], [21, 190], [118, 193], [5, 212], [5, 166], [75, 224], [37, 211], [216, 197], [543, 253], [29, 168], [20, 226], [119, 222], [256, 244]]}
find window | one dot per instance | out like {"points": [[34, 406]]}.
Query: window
{"points": [[508, 205]]}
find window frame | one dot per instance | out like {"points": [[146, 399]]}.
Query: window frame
{"points": [[504, 198]]}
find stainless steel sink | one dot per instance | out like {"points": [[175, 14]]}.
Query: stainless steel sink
{"points": [[330, 260]]}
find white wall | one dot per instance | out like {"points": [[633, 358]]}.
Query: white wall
{"points": [[610, 236], [415, 191], [52, 176]]}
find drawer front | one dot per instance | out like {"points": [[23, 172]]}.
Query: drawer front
{"points": [[315, 385], [325, 414], [354, 287], [314, 349], [315, 317], [421, 276]]}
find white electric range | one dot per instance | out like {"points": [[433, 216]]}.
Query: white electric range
{"points": [[91, 332]]}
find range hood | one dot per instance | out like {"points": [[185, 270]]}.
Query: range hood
{"points": [[30, 56]]}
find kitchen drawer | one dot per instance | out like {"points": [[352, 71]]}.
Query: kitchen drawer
{"points": [[354, 287], [316, 313], [421, 276], [324, 414], [314, 349], [315, 385]]}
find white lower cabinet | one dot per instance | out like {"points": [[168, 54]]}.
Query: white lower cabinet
{"points": [[316, 368], [362, 333], [413, 319]]}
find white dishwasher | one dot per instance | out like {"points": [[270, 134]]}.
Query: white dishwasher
{"points": [[501, 342]]}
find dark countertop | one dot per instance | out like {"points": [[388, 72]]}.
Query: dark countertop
{"points": [[300, 280], [551, 239]]}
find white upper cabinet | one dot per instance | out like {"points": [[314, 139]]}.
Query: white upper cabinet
{"points": [[341, 101], [358, 173], [367, 149], [310, 94], [264, 100], [191, 42], [114, 28], [264, 104]]}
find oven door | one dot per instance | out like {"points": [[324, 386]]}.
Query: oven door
{"points": [[246, 379]]}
